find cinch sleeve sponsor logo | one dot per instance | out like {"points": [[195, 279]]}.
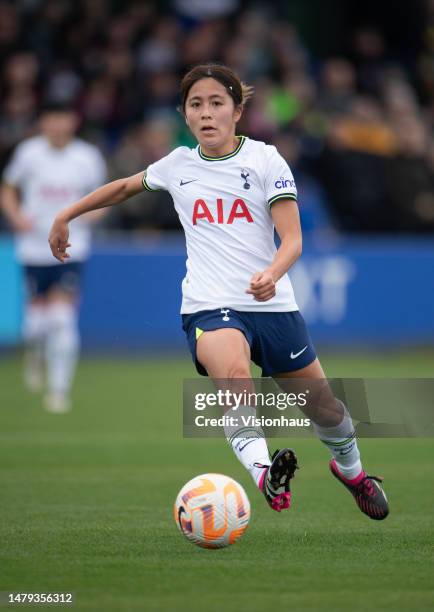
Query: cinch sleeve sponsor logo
{"points": [[283, 183], [216, 213]]}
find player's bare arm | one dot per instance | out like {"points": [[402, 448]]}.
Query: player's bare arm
{"points": [[286, 220], [10, 204], [108, 195]]}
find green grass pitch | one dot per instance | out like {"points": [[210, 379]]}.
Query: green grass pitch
{"points": [[86, 504]]}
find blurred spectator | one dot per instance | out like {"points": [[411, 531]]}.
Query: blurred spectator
{"points": [[338, 85], [369, 59], [352, 166], [363, 129], [197, 9], [249, 51], [314, 216], [64, 83], [21, 71], [10, 29], [16, 120], [410, 178], [355, 119], [203, 41], [140, 146], [159, 51]]}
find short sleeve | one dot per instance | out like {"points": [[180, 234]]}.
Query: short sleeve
{"points": [[279, 182], [157, 176], [17, 168]]}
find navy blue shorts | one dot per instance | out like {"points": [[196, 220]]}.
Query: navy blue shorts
{"points": [[42, 279], [279, 341]]}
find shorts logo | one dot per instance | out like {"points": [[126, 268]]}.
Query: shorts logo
{"points": [[282, 183], [224, 312], [244, 175], [295, 355]]}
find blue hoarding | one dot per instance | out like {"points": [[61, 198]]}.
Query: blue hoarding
{"points": [[11, 294], [362, 292]]}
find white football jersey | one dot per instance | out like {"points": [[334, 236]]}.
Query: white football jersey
{"points": [[49, 179], [224, 206]]}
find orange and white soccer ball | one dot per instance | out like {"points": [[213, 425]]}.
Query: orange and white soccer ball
{"points": [[212, 510]]}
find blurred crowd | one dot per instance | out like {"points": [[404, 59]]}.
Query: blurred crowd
{"points": [[356, 128]]}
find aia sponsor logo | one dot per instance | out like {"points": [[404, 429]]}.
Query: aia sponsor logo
{"points": [[58, 192], [220, 213]]}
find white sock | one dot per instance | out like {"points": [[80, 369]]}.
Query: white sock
{"points": [[342, 443], [248, 443], [62, 347]]}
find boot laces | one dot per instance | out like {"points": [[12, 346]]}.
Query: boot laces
{"points": [[366, 487]]}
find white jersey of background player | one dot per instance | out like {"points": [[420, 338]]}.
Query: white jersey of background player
{"points": [[45, 174], [238, 305]]}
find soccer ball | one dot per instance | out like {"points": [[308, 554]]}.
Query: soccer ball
{"points": [[212, 510]]}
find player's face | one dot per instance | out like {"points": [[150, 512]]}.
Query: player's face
{"points": [[211, 115], [59, 127]]}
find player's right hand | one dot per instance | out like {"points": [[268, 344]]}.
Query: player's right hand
{"points": [[58, 239]]}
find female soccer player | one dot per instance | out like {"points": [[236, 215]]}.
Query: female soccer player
{"points": [[238, 305], [44, 174]]}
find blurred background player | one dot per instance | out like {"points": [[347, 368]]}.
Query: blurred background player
{"points": [[45, 173]]}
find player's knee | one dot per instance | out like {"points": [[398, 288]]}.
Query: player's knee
{"points": [[62, 314], [35, 322], [238, 370]]}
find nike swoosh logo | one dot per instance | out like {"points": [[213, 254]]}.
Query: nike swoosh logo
{"points": [[295, 355], [241, 448], [345, 452], [187, 182]]}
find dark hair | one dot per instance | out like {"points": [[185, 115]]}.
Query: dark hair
{"points": [[56, 106], [239, 91]]}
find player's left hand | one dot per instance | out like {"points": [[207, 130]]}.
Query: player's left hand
{"points": [[262, 286]]}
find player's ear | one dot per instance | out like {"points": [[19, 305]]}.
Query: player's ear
{"points": [[238, 112], [181, 111]]}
